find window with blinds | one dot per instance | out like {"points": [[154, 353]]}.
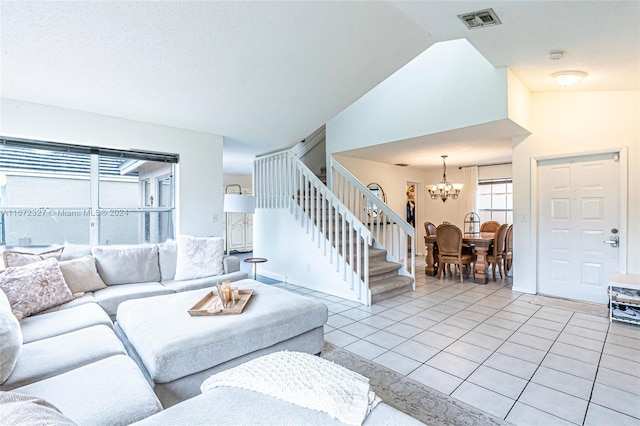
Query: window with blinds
{"points": [[52, 193]]}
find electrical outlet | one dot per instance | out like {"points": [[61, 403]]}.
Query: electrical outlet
{"points": [[308, 268], [214, 217]]}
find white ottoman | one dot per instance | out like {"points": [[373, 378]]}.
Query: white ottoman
{"points": [[177, 352]]}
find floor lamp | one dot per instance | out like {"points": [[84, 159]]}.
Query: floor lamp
{"points": [[236, 203]]}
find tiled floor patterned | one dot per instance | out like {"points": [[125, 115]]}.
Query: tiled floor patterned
{"points": [[490, 347]]}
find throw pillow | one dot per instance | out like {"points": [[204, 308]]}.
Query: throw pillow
{"points": [[167, 255], [17, 258], [10, 339], [199, 257], [34, 287], [81, 275], [20, 409], [127, 264]]}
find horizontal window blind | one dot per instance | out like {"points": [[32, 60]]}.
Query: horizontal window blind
{"points": [[83, 149]]}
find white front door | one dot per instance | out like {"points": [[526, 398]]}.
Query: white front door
{"points": [[578, 208]]}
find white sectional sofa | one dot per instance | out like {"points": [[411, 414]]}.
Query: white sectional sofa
{"points": [[70, 356]]}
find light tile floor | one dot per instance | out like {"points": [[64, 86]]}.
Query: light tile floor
{"points": [[490, 347]]}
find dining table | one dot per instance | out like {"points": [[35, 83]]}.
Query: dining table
{"points": [[481, 242]]}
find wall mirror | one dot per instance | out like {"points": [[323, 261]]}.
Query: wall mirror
{"points": [[371, 208]]}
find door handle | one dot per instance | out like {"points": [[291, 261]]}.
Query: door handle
{"points": [[614, 241]]}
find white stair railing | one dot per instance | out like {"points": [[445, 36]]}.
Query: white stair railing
{"points": [[283, 181], [388, 229]]}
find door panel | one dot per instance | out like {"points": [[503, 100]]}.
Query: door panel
{"points": [[578, 206]]}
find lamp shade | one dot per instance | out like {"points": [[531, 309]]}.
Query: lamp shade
{"points": [[238, 203]]}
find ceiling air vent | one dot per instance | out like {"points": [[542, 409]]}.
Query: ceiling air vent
{"points": [[479, 19]]}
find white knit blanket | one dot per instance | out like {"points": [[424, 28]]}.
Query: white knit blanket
{"points": [[305, 380]]}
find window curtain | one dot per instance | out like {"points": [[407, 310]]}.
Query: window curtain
{"points": [[470, 188]]}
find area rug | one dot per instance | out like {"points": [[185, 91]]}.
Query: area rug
{"points": [[413, 398]]}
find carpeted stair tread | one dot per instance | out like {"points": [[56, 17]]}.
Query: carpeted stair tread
{"points": [[398, 281], [381, 268]]}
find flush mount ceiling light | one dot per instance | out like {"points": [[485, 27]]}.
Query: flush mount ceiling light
{"points": [[568, 78]]}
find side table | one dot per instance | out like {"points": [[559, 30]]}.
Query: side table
{"points": [[255, 261]]}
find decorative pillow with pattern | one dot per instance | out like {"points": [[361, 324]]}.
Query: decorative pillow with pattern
{"points": [[199, 257], [34, 287], [18, 258]]}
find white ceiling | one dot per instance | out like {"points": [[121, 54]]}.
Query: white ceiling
{"points": [[266, 74]]}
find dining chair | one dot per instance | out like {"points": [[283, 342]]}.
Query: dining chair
{"points": [[489, 226], [449, 239], [494, 257], [430, 228], [508, 250]]}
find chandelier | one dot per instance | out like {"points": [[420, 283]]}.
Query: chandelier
{"points": [[444, 189]]}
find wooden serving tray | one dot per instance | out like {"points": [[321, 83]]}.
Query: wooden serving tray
{"points": [[210, 304]]}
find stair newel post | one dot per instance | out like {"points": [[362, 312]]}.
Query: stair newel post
{"points": [[284, 185], [330, 213], [278, 181], [307, 196], [287, 165], [267, 188], [351, 252], [337, 237], [359, 262], [365, 257], [344, 246], [324, 224], [300, 194]]}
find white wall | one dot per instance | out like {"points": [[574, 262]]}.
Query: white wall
{"points": [[293, 256], [569, 124], [199, 174], [448, 86], [245, 181], [498, 171]]}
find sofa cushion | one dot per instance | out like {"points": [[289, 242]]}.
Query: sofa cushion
{"points": [[19, 258], [34, 287], [43, 326], [168, 256], [81, 275], [199, 257], [112, 296], [20, 409], [10, 338], [56, 355], [111, 391], [86, 298], [127, 264]]}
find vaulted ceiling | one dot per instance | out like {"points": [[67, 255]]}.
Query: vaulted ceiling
{"points": [[266, 74]]}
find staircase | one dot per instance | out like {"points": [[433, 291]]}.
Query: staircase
{"points": [[384, 280], [368, 257]]}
